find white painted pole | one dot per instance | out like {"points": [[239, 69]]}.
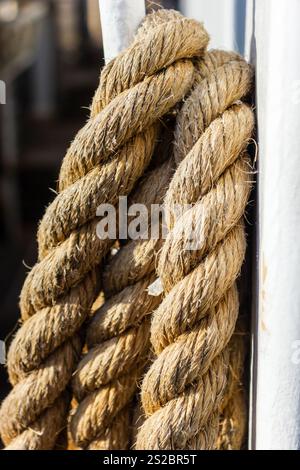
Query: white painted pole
{"points": [[225, 21], [119, 21], [276, 407], [249, 46]]}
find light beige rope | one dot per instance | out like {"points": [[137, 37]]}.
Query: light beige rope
{"points": [[117, 320], [118, 336], [105, 159], [185, 385], [137, 258], [233, 417]]}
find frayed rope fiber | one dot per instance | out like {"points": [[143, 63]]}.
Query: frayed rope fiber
{"points": [[119, 335], [190, 330], [184, 339], [104, 161]]}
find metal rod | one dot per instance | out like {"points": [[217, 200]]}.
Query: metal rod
{"points": [[223, 19], [277, 398], [119, 22]]}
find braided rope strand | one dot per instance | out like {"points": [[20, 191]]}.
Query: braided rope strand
{"points": [[122, 127], [200, 283], [119, 333]]}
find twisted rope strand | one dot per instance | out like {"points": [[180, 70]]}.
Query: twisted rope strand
{"points": [[53, 418], [181, 419], [118, 336], [116, 436], [122, 316], [122, 127], [233, 418], [199, 283], [136, 259]]}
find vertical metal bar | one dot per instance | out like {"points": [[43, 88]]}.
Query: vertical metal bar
{"points": [[225, 21], [249, 39], [240, 25], [250, 56], [277, 404], [119, 21]]}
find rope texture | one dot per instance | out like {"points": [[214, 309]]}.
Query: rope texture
{"points": [[233, 416], [106, 158], [191, 394], [190, 330], [118, 335]]}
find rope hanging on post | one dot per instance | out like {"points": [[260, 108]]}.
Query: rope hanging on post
{"points": [[183, 391], [106, 158], [118, 336], [107, 376], [233, 412], [184, 388]]}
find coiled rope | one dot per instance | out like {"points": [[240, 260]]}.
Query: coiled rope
{"points": [[190, 330], [183, 391], [233, 416], [104, 161], [118, 336]]}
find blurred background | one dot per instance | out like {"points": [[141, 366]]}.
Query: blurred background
{"points": [[50, 58]]}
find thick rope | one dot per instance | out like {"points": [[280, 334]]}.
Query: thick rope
{"points": [[105, 159], [133, 262], [137, 258], [119, 333], [191, 328], [233, 417]]}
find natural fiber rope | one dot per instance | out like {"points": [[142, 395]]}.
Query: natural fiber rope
{"points": [[137, 258], [184, 387], [112, 327], [118, 335], [233, 417], [132, 263], [106, 158]]}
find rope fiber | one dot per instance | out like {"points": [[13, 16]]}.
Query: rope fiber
{"points": [[182, 338]]}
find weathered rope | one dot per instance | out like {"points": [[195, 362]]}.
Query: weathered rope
{"points": [[115, 320], [183, 389], [105, 160], [118, 335], [137, 258], [233, 417]]}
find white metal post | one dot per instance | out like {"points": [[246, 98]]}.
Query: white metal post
{"points": [[119, 22], [276, 406], [225, 21], [249, 45]]}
